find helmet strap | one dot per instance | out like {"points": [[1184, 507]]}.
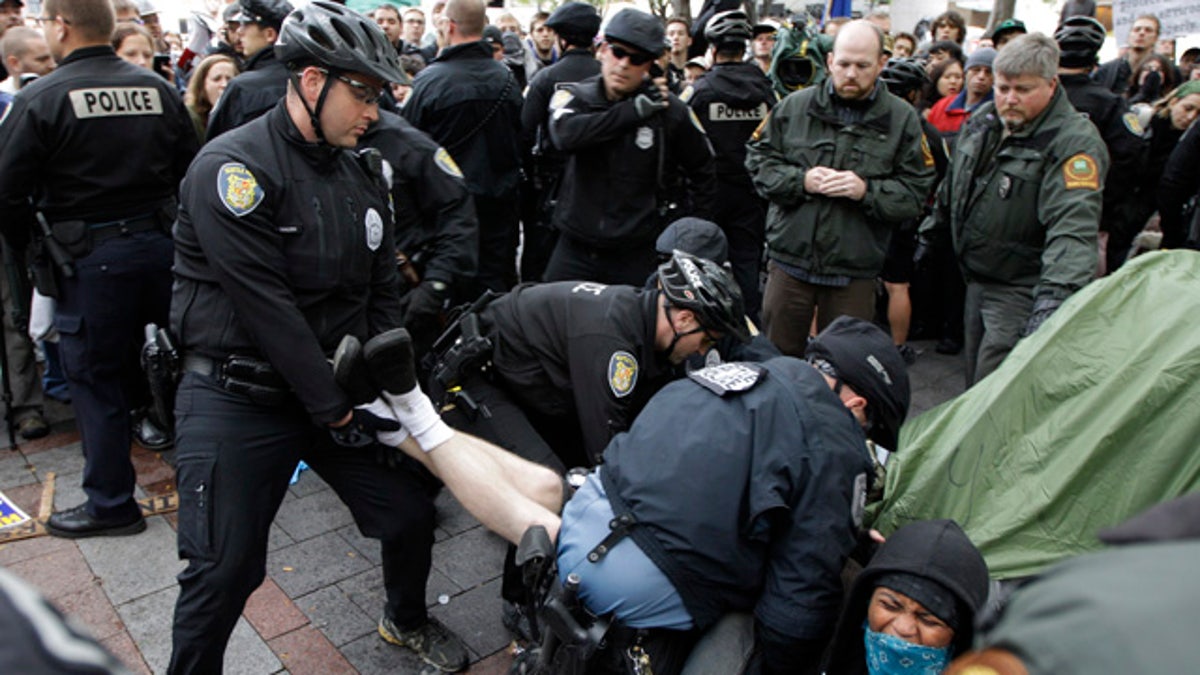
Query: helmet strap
{"points": [[678, 336], [314, 114]]}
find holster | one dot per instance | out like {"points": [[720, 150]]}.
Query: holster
{"points": [[160, 361], [461, 351]]}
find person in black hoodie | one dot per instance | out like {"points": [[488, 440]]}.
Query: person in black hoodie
{"points": [[731, 101], [918, 597]]}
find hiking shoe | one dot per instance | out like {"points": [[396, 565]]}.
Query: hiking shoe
{"points": [[432, 641], [33, 427], [907, 353]]}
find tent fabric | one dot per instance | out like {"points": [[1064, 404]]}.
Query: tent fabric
{"points": [[1089, 421]]}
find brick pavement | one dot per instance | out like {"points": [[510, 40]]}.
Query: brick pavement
{"points": [[317, 609]]}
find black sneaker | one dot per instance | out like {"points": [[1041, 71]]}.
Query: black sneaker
{"points": [[149, 436], [907, 353], [948, 346], [432, 641]]}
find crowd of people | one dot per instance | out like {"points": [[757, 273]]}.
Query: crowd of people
{"points": [[537, 260]]}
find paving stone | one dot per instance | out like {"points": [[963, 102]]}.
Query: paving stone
{"points": [[150, 467], [317, 562], [15, 470], [271, 612], [277, 539], [496, 664], [370, 655], [470, 558], [121, 645], [153, 551], [309, 483], [149, 622], [475, 617], [64, 461], [28, 497], [306, 651], [56, 574], [92, 607], [54, 440], [366, 546], [335, 614], [306, 517], [17, 551]]}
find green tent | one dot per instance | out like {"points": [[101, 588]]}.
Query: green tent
{"points": [[1092, 419]]}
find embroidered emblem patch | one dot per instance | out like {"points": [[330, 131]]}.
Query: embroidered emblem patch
{"points": [[686, 94], [560, 99], [645, 138], [238, 189], [622, 373], [926, 153], [374, 226], [446, 163], [758, 131], [1080, 172], [728, 377], [696, 121], [1132, 123]]}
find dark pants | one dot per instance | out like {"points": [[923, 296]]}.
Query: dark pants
{"points": [[994, 317], [234, 461], [742, 215], [790, 304], [499, 230], [538, 236], [117, 289], [574, 260]]}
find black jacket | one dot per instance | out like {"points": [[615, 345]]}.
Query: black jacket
{"points": [[618, 162], [576, 65], [1180, 182], [578, 348], [96, 140], [283, 247], [471, 105], [435, 217], [249, 95], [937, 550], [746, 500], [731, 100]]}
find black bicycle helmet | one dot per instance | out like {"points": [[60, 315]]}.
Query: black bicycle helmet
{"points": [[729, 26], [330, 35], [1079, 40], [706, 289], [864, 357], [904, 75]]}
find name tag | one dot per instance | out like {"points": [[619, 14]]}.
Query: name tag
{"points": [[115, 102], [719, 112]]}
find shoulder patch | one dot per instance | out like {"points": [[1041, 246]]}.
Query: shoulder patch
{"points": [[622, 373], [729, 378], [926, 153], [758, 131], [696, 121], [561, 98], [446, 163], [687, 94], [1081, 173], [1133, 124], [238, 189]]}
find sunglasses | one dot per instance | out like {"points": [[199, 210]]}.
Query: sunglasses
{"points": [[636, 58], [361, 92]]}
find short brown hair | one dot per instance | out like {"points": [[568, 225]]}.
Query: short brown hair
{"points": [[92, 19], [954, 19], [125, 29]]}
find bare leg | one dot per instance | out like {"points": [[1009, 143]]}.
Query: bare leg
{"points": [[899, 311], [506, 493]]}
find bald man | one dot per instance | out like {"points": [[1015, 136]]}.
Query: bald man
{"points": [[842, 165]]}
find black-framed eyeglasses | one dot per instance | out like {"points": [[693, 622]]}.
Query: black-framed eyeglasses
{"points": [[637, 58], [362, 93], [46, 19]]}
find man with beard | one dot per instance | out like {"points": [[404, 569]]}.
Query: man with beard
{"points": [[1021, 203]]}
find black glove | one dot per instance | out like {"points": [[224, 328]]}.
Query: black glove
{"points": [[424, 301], [782, 654], [649, 102], [360, 431], [923, 255], [1042, 309]]}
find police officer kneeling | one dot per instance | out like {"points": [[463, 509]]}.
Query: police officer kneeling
{"points": [[738, 489], [284, 246]]}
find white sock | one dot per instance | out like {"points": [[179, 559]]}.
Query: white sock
{"points": [[416, 412]]}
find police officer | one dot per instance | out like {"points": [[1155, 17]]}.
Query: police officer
{"points": [[97, 148], [263, 80], [437, 234], [284, 247], [731, 100], [575, 24], [1020, 203], [739, 488], [471, 105], [1079, 40], [624, 134]]}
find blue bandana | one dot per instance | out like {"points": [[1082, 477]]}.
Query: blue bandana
{"points": [[890, 655]]}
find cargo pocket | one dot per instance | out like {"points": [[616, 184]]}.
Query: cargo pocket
{"points": [[194, 477], [72, 346]]}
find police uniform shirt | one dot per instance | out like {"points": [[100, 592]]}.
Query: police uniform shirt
{"points": [[283, 247], [249, 95], [434, 214], [1119, 128], [98, 139], [575, 65], [578, 348]]}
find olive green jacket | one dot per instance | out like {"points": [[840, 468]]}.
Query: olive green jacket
{"points": [[1024, 209], [838, 236]]}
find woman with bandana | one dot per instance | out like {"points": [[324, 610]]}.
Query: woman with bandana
{"points": [[912, 609]]}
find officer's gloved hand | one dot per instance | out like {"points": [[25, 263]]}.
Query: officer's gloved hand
{"points": [[649, 102], [923, 254], [387, 452], [363, 426], [424, 301], [1042, 309]]}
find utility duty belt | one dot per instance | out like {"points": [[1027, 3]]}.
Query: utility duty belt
{"points": [[250, 377]]}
